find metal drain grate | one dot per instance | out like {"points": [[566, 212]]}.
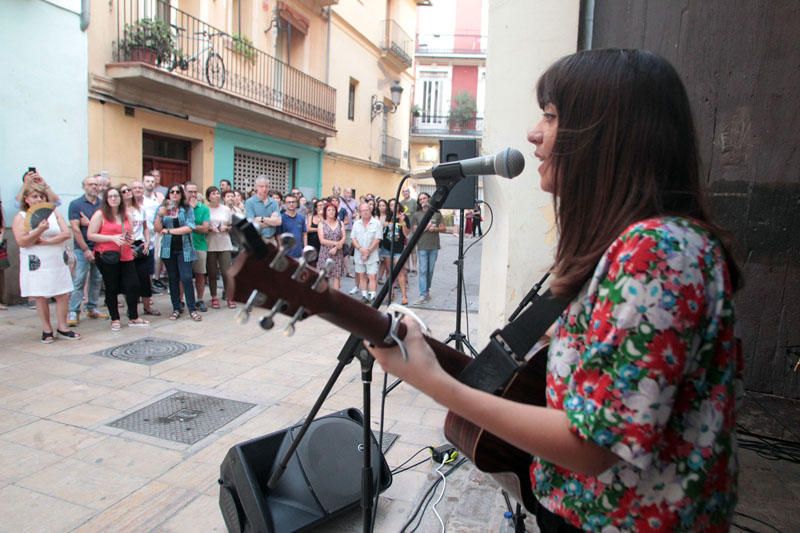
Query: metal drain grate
{"points": [[148, 350], [182, 417], [388, 440]]}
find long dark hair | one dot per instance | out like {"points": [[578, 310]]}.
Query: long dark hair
{"points": [[106, 208], [182, 202], [625, 150]]}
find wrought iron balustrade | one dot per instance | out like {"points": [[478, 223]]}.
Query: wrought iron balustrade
{"points": [[155, 32], [397, 42], [451, 44], [391, 151], [429, 124]]}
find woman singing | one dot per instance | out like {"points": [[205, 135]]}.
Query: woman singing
{"points": [[639, 429]]}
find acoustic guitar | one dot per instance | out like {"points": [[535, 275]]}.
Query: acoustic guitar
{"points": [[262, 276]]}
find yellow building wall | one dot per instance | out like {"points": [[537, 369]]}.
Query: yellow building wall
{"points": [[115, 142], [364, 179], [357, 56]]}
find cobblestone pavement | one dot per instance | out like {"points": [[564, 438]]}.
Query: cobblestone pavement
{"points": [[64, 468]]}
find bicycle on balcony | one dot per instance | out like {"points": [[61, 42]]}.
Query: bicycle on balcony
{"points": [[214, 66]]}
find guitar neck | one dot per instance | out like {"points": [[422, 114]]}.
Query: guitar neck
{"points": [[373, 325], [329, 304]]}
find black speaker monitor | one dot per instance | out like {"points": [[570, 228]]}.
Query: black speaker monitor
{"points": [[465, 193], [322, 479]]}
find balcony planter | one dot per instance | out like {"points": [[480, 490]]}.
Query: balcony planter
{"points": [[463, 113], [148, 41], [143, 55]]}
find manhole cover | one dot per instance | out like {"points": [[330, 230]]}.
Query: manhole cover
{"points": [[148, 350], [182, 417]]}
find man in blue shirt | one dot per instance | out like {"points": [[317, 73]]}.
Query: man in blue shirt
{"points": [[262, 210], [80, 211], [294, 223]]}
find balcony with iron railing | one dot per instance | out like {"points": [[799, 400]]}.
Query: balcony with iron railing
{"points": [[458, 44], [184, 53], [397, 45], [428, 125], [391, 151]]}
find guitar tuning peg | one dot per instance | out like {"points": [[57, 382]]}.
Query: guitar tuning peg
{"points": [[323, 274], [289, 330], [243, 315], [279, 262], [309, 254], [267, 322]]}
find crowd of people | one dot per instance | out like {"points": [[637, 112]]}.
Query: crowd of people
{"points": [[135, 240]]}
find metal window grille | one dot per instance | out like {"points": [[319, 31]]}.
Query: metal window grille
{"points": [[247, 166]]}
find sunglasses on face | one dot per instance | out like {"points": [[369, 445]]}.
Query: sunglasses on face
{"points": [[175, 191], [123, 191]]}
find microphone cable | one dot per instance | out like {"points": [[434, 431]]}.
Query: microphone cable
{"points": [[464, 285]]}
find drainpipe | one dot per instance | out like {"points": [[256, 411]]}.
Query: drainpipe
{"points": [[85, 15], [327, 10], [588, 23]]}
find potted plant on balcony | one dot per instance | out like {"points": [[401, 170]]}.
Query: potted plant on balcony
{"points": [[463, 111], [147, 40]]}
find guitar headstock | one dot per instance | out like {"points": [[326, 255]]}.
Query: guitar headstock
{"points": [[264, 276]]}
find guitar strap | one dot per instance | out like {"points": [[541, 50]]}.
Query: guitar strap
{"points": [[497, 363]]}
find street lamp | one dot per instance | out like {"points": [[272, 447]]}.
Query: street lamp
{"points": [[379, 107]]}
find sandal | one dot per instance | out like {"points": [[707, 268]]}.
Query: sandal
{"points": [[152, 312], [138, 323], [214, 303], [231, 304], [175, 314], [115, 325], [69, 334], [195, 316], [47, 337]]}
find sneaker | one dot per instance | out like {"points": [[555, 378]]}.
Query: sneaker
{"points": [[159, 284], [354, 290], [201, 306], [425, 298], [72, 319], [94, 313]]}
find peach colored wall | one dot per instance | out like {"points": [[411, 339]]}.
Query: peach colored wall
{"points": [[115, 142]]}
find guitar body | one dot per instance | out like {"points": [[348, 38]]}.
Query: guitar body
{"points": [[509, 465]]}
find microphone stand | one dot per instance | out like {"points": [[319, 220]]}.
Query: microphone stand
{"points": [[457, 335], [354, 349]]}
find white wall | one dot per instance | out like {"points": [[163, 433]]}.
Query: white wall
{"points": [[525, 37], [43, 117]]}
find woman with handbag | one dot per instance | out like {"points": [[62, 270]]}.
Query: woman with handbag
{"points": [[111, 229], [331, 244], [142, 259], [175, 221], [44, 263]]}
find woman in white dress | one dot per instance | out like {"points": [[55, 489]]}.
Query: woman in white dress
{"points": [[44, 264]]}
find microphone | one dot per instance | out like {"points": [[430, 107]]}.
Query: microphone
{"points": [[507, 163]]}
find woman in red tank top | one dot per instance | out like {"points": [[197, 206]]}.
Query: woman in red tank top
{"points": [[111, 230]]}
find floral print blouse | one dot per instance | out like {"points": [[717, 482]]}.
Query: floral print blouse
{"points": [[644, 362]]}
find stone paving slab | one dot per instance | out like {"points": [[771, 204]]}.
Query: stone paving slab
{"points": [[62, 468]]}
